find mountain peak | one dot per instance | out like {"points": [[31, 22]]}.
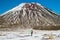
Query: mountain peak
{"points": [[20, 6], [31, 15], [33, 4]]}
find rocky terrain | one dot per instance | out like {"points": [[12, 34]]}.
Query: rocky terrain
{"points": [[30, 15], [25, 35]]}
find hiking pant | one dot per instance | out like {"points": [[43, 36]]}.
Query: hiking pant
{"points": [[31, 33]]}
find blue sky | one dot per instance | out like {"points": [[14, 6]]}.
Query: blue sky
{"points": [[6, 5]]}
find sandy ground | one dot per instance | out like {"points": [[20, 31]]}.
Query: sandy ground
{"points": [[25, 35]]}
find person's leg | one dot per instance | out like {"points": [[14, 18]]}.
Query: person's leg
{"points": [[31, 33]]}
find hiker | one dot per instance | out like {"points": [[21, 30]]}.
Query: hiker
{"points": [[31, 32]]}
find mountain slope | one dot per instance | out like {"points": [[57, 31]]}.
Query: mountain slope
{"points": [[27, 15]]}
